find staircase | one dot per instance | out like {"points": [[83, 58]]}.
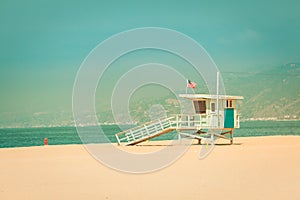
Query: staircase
{"points": [[146, 131]]}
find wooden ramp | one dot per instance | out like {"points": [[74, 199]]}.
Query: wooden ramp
{"points": [[146, 131]]}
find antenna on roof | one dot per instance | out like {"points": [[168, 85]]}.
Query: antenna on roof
{"points": [[218, 77]]}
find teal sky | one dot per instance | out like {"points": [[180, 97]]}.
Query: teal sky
{"points": [[42, 43]]}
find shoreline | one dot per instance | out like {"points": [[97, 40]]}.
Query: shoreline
{"points": [[219, 141], [116, 124]]}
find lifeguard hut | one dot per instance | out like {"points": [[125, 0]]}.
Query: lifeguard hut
{"points": [[214, 116]]}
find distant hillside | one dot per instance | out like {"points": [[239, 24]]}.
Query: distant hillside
{"points": [[272, 93]]}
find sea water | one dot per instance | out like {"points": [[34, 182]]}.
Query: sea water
{"points": [[21, 137]]}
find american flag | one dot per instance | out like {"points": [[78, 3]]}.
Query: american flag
{"points": [[191, 84]]}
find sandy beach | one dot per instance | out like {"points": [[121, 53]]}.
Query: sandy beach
{"points": [[252, 168]]}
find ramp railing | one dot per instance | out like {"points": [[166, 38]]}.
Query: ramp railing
{"points": [[145, 131]]}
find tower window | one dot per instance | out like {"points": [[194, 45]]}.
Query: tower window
{"points": [[200, 107], [213, 107], [229, 103]]}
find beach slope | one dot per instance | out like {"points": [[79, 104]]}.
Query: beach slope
{"points": [[252, 168]]}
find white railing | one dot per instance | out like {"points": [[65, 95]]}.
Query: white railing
{"points": [[144, 131], [237, 121], [177, 122], [196, 121]]}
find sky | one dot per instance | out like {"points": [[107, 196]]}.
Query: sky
{"points": [[43, 43]]}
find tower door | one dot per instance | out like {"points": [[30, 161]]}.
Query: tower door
{"points": [[229, 118]]}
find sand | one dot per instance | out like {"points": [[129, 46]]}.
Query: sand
{"points": [[252, 168]]}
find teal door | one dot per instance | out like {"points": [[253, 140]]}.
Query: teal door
{"points": [[229, 118]]}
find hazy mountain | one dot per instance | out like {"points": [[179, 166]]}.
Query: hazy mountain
{"points": [[268, 93]]}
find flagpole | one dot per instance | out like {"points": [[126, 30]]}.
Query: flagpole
{"points": [[186, 86], [218, 113]]}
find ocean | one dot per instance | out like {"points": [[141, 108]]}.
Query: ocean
{"points": [[22, 137]]}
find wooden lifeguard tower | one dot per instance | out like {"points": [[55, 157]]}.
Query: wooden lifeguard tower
{"points": [[214, 116]]}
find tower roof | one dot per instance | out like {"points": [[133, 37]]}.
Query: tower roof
{"points": [[209, 96]]}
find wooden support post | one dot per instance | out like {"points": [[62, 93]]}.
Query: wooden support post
{"points": [[231, 137], [199, 141], [199, 132]]}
